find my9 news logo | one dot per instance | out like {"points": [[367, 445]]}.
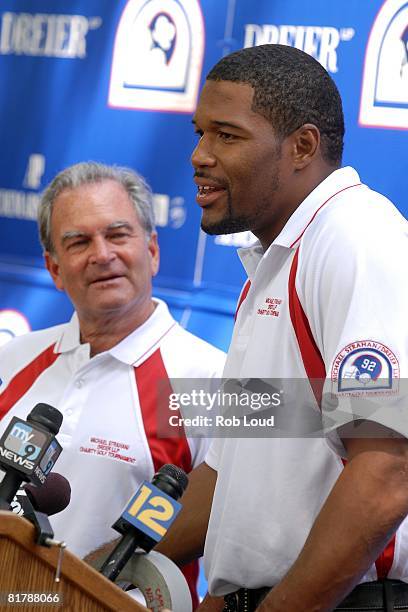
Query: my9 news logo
{"points": [[24, 443], [151, 511], [29, 450]]}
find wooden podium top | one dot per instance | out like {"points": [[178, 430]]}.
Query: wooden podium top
{"points": [[26, 567]]}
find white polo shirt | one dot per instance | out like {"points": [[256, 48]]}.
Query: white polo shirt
{"points": [[109, 432], [328, 300]]}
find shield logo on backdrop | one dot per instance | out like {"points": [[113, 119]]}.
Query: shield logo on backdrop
{"points": [[157, 56], [384, 95]]}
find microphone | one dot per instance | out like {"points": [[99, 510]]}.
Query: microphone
{"points": [[38, 503], [28, 450], [146, 518], [52, 497]]}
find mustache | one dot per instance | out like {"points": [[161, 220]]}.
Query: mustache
{"points": [[213, 179]]}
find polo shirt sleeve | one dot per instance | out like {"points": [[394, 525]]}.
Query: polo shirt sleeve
{"points": [[352, 283], [213, 454]]}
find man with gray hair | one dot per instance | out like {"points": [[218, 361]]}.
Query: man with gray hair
{"points": [[102, 369]]}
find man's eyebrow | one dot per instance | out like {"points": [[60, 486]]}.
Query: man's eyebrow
{"points": [[119, 224], [222, 124], [71, 234], [228, 124]]}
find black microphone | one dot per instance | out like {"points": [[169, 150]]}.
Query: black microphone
{"points": [[38, 503], [28, 450], [146, 518], [52, 497]]}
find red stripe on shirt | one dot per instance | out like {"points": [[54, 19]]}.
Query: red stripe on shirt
{"points": [[316, 373], [167, 444], [385, 560], [154, 388], [242, 297], [311, 357], [21, 383]]}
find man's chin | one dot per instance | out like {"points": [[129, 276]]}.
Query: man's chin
{"points": [[225, 226], [109, 301], [108, 306]]}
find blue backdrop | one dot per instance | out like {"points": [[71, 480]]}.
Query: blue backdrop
{"points": [[118, 82]]}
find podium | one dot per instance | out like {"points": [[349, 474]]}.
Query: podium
{"points": [[26, 567]]}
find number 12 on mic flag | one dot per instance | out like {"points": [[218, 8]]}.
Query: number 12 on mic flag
{"points": [[151, 511]]}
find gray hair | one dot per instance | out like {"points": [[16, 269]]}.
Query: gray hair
{"points": [[84, 173]]}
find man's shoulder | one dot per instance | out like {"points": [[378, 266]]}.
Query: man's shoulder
{"points": [[34, 341], [359, 238], [195, 342], [19, 353], [357, 219], [195, 352]]}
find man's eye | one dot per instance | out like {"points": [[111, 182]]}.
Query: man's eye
{"points": [[198, 133], [118, 235], [77, 244], [226, 136]]}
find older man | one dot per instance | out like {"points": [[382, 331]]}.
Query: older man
{"points": [[103, 368]]}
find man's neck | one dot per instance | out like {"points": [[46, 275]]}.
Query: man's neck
{"points": [[298, 192], [104, 332]]}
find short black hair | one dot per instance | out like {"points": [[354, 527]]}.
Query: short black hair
{"points": [[291, 89]]}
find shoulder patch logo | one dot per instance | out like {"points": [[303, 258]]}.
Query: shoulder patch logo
{"points": [[157, 56], [365, 366], [384, 94]]}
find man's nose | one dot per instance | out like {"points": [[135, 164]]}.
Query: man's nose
{"points": [[202, 154], [102, 251]]}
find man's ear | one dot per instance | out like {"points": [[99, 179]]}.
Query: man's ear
{"points": [[154, 251], [306, 145], [53, 268]]}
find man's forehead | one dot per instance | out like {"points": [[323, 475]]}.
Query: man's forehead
{"points": [[227, 91], [102, 197], [93, 207], [223, 97], [97, 187]]}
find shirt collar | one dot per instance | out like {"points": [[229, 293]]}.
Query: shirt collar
{"points": [[135, 347], [295, 226], [70, 337]]}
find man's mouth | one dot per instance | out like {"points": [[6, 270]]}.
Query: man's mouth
{"points": [[105, 279], [208, 191]]}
